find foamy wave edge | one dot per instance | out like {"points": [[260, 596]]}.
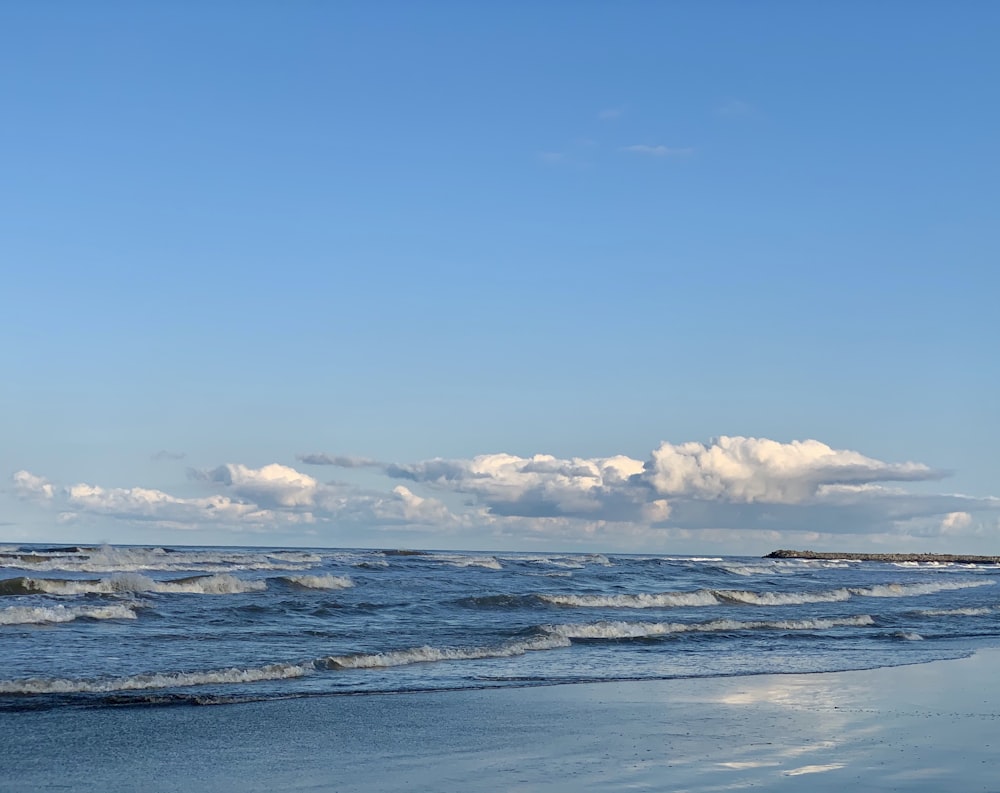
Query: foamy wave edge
{"points": [[639, 630], [155, 680], [40, 615], [220, 584], [715, 597], [320, 581]]}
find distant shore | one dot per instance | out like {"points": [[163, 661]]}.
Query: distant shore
{"points": [[885, 557]]}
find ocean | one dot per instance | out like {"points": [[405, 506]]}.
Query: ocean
{"points": [[111, 627]]}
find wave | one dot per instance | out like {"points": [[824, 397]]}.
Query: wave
{"points": [[640, 630], [220, 584], [488, 562], [319, 581], [428, 654], [155, 680], [111, 559], [701, 597], [909, 590], [40, 615], [957, 612], [715, 597]]}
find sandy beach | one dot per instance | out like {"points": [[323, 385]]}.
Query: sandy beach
{"points": [[924, 727]]}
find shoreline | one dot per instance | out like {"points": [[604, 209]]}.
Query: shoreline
{"points": [[944, 558], [916, 727]]}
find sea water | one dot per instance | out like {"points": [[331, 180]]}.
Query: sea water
{"points": [[126, 625]]}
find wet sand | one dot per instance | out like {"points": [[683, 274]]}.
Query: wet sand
{"points": [[929, 727]]}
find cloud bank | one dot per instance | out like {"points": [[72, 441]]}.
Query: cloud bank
{"points": [[731, 484]]}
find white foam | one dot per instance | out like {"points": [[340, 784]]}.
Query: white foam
{"points": [[784, 598], [220, 584], [702, 597], [38, 615], [488, 562], [427, 654], [154, 680], [637, 630], [109, 559], [911, 590], [958, 612], [321, 581]]}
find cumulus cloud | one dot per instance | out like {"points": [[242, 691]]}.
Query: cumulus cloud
{"points": [[254, 499], [749, 487], [273, 485], [731, 482], [29, 486], [748, 470], [538, 486]]}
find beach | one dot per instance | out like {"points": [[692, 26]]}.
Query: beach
{"points": [[930, 727]]}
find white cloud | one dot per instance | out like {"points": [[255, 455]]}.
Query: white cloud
{"points": [[610, 114], [273, 485], [755, 484], [747, 470], [955, 522], [658, 151], [29, 486], [746, 487], [538, 486]]}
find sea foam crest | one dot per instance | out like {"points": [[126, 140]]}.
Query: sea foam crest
{"points": [[428, 654], [702, 597], [957, 612], [39, 615], [488, 562], [111, 559], [327, 581], [154, 680], [638, 630], [713, 597], [219, 584], [910, 590]]}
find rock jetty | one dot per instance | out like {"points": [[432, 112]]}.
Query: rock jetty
{"points": [[886, 557]]}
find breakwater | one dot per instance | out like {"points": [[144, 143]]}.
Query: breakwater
{"points": [[885, 557]]}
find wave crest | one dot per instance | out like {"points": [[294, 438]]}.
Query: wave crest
{"points": [[40, 615], [327, 581], [639, 630]]}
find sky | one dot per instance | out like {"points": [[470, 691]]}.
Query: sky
{"points": [[685, 277]]}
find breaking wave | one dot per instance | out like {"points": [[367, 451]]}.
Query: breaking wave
{"points": [[957, 612], [909, 590], [703, 597], [320, 581], [220, 584], [108, 559], [639, 630], [40, 615], [714, 597], [154, 680], [488, 562], [427, 654]]}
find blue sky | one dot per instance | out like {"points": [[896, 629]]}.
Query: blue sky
{"points": [[237, 234]]}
